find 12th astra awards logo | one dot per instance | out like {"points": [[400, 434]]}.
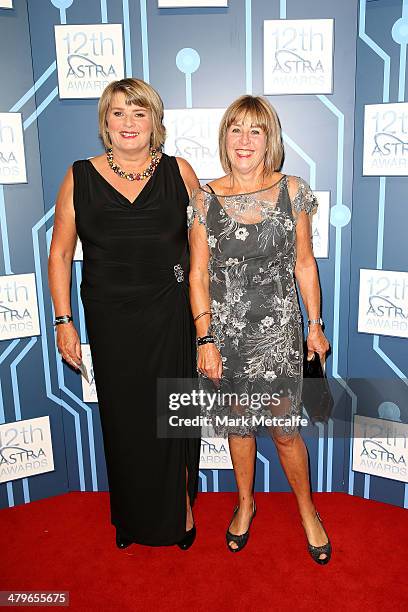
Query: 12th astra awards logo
{"points": [[380, 447], [215, 454], [386, 139], [18, 306], [383, 303], [25, 449], [298, 56], [12, 157], [89, 57], [192, 133], [89, 393]]}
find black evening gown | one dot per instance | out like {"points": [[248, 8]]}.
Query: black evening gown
{"points": [[140, 328]]}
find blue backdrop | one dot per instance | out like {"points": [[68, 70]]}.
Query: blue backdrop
{"points": [[323, 143]]}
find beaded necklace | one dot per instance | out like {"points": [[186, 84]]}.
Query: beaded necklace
{"points": [[134, 176]]}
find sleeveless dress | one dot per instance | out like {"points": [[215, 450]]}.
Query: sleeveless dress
{"points": [[256, 319], [135, 296]]}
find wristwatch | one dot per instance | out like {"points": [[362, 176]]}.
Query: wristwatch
{"points": [[319, 321]]}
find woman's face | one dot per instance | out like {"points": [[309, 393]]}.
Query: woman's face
{"points": [[246, 145], [130, 127]]}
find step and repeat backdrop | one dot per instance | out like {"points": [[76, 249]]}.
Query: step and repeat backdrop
{"points": [[336, 74]]}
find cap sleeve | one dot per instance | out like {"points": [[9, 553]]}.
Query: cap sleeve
{"points": [[197, 207], [302, 196]]}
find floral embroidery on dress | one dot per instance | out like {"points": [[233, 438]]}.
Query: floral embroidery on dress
{"points": [[212, 241], [231, 261], [270, 375], [265, 323], [190, 215], [256, 319], [304, 199], [241, 233]]}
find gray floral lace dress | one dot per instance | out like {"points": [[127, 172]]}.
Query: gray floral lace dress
{"points": [[256, 318]]}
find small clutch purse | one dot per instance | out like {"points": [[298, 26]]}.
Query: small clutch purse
{"points": [[316, 395]]}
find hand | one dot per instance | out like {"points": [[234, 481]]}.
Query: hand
{"points": [[209, 362], [317, 342], [69, 345]]}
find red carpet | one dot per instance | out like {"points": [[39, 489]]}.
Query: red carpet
{"points": [[66, 543]]}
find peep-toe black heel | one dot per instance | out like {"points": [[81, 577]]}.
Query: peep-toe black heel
{"points": [[242, 539], [325, 549], [188, 539]]}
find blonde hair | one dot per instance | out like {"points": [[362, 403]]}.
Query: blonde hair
{"points": [[263, 115], [139, 93]]}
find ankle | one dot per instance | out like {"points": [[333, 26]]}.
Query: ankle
{"points": [[246, 503], [308, 513]]}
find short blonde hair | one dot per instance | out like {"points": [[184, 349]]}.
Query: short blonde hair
{"points": [[263, 115], [139, 93]]}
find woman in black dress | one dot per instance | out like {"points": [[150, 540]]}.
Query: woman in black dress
{"points": [[129, 209]]}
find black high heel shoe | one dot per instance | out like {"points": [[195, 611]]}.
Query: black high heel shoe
{"points": [[122, 540], [325, 549], [242, 539], [188, 539]]}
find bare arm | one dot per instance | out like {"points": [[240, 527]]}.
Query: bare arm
{"points": [[305, 269], [308, 281], [188, 175], [199, 277], [209, 359], [59, 269]]}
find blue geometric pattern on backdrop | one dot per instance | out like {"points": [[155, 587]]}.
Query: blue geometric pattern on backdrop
{"points": [[395, 30], [190, 70]]}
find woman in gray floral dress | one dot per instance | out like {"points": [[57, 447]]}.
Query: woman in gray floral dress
{"points": [[250, 238]]}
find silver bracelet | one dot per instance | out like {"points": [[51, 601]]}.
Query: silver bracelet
{"points": [[316, 321], [63, 319]]}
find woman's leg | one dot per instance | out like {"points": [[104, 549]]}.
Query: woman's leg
{"points": [[293, 457], [189, 514], [243, 460]]}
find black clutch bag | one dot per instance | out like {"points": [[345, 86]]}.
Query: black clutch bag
{"points": [[316, 395]]}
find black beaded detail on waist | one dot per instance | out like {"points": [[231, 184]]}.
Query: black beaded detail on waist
{"points": [[179, 273]]}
